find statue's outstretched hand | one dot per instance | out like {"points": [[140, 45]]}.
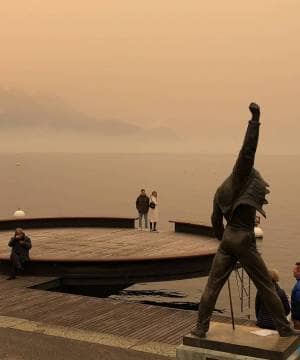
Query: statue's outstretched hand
{"points": [[254, 109]]}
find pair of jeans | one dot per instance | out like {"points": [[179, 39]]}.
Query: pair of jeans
{"points": [[240, 245], [17, 263], [145, 216]]}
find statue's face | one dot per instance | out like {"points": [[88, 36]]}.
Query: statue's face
{"points": [[296, 271]]}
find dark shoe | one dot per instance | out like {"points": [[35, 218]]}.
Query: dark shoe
{"points": [[291, 332], [11, 277], [199, 333]]}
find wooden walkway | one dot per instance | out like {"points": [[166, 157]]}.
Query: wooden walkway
{"points": [[103, 315], [143, 324]]}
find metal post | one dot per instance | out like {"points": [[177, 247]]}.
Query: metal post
{"points": [[242, 291], [249, 302], [231, 307]]}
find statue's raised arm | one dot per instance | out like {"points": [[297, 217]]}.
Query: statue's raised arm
{"points": [[245, 161]]}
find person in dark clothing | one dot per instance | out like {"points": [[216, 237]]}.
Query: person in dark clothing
{"points": [[264, 318], [237, 200], [142, 206], [295, 297], [20, 244]]}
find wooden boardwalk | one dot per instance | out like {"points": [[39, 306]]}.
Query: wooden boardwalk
{"points": [[138, 323]]}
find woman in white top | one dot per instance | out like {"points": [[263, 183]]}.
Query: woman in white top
{"points": [[153, 211]]}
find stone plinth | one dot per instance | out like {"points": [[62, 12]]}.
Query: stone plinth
{"points": [[224, 343]]}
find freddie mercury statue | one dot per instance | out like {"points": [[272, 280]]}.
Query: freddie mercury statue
{"points": [[237, 200]]}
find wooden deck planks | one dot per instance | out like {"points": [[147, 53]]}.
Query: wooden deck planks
{"points": [[107, 316], [127, 319], [95, 244]]}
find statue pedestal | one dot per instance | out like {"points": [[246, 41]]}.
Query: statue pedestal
{"points": [[224, 343]]}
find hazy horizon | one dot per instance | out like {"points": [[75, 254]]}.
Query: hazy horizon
{"points": [[141, 77]]}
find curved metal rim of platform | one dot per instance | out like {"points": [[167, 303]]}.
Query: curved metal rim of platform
{"points": [[66, 221], [118, 259]]}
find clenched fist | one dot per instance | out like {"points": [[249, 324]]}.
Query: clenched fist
{"points": [[254, 109]]}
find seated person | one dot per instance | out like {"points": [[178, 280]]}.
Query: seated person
{"points": [[20, 244], [264, 318], [295, 298]]}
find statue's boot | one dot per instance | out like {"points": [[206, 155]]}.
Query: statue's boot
{"points": [[198, 332], [290, 332]]}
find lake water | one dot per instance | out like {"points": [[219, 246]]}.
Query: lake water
{"points": [[108, 184]]}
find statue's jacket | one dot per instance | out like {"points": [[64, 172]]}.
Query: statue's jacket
{"points": [[245, 185]]}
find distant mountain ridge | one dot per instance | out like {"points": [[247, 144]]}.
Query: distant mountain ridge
{"points": [[19, 110]]}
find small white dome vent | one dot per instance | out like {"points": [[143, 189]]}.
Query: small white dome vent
{"points": [[19, 213]]}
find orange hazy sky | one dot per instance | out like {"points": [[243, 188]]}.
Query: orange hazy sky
{"points": [[192, 66]]}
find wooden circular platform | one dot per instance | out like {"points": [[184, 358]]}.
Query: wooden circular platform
{"points": [[111, 254]]}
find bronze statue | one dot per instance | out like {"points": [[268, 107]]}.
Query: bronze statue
{"points": [[237, 200]]}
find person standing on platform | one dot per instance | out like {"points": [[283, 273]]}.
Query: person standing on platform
{"points": [[142, 206], [153, 211], [20, 245], [295, 298]]}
